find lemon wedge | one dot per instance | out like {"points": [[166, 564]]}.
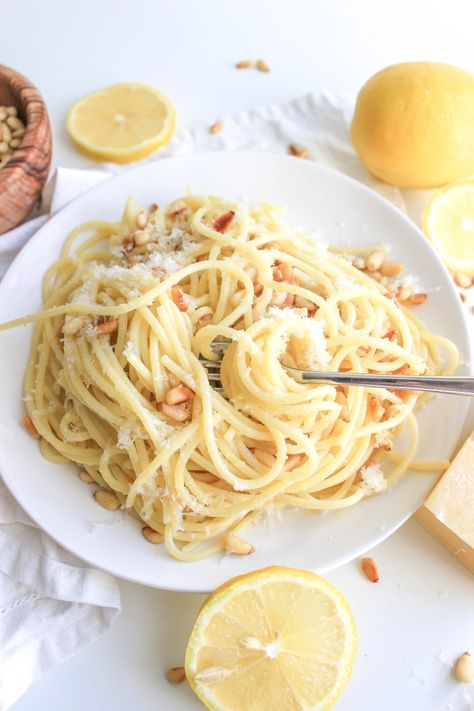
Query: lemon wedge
{"points": [[448, 221], [122, 123], [276, 638]]}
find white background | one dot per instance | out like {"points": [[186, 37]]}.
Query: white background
{"points": [[422, 611]]}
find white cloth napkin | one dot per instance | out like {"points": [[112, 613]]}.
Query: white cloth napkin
{"points": [[52, 605]]}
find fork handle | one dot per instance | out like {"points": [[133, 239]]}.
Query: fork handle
{"points": [[453, 385]]}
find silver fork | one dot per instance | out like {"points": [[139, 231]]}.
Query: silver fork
{"points": [[450, 385]]}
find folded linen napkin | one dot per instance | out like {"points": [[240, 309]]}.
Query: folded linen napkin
{"points": [[51, 604]]}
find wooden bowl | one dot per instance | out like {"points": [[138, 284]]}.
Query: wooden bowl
{"points": [[23, 177]]}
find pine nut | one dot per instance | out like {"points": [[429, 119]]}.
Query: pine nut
{"points": [[85, 476], [391, 269], [359, 263], [302, 303], [262, 66], [152, 536], [73, 325], [376, 408], [14, 143], [3, 113], [342, 401], [415, 299], [6, 133], [264, 457], [278, 298], [107, 499], [178, 413], [370, 569], [216, 127], [178, 297], [29, 427], [463, 280], [244, 64], [462, 297], [257, 289], [18, 133], [3, 147], [237, 546], [176, 675], [14, 123], [464, 668], [106, 326], [298, 152], [222, 222], [204, 321], [181, 393], [293, 461], [141, 237], [141, 219], [374, 261], [11, 111]]}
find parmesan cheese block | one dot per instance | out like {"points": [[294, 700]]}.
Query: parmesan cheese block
{"points": [[448, 512]]}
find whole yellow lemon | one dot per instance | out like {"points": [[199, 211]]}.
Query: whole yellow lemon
{"points": [[413, 124]]}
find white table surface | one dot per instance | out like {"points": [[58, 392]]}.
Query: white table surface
{"points": [[415, 622]]}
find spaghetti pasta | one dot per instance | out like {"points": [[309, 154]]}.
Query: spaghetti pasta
{"points": [[115, 381]]}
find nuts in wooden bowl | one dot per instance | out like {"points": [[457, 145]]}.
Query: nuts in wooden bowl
{"points": [[24, 173]]}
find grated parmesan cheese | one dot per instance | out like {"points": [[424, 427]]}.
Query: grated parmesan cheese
{"points": [[373, 479]]}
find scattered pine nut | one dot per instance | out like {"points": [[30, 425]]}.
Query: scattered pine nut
{"points": [[462, 297], [222, 222], [264, 457], [415, 299], [178, 208], [204, 321], [374, 261], [176, 675], [107, 499], [85, 476], [178, 413], [370, 570], [391, 335], [391, 268], [141, 219], [237, 546], [29, 427], [73, 325], [216, 127], [177, 395], [302, 303], [359, 263], [403, 293], [257, 289], [141, 237], [106, 326], [178, 297], [293, 461], [298, 152], [153, 207], [244, 64], [262, 66], [376, 408], [342, 401], [464, 668], [462, 280], [152, 536]]}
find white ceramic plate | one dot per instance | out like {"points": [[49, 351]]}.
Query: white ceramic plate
{"points": [[341, 211]]}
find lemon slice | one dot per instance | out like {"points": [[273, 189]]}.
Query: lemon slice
{"points": [[122, 123], [448, 221], [277, 638]]}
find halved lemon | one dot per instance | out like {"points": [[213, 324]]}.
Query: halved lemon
{"points": [[122, 123], [279, 639], [448, 221]]}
